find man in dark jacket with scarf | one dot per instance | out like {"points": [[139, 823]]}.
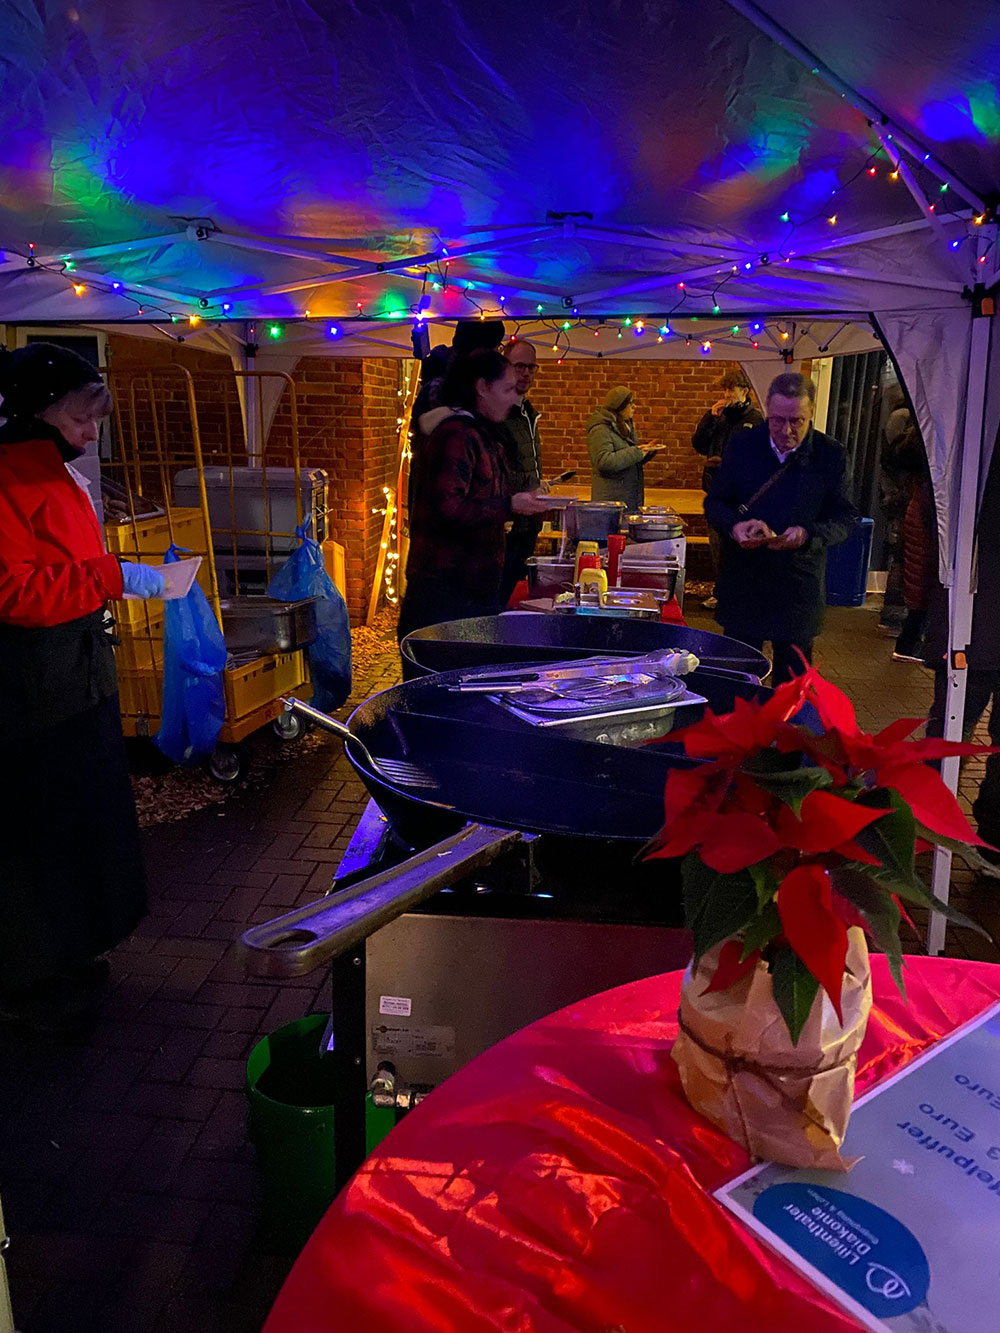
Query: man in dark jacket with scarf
{"points": [[779, 500], [525, 466]]}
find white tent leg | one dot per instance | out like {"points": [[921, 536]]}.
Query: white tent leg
{"points": [[250, 400], [961, 597]]}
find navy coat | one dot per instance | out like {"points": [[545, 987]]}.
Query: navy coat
{"points": [[778, 595]]}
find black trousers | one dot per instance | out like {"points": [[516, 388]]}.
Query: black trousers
{"points": [[785, 659], [430, 602], [518, 550], [982, 691]]}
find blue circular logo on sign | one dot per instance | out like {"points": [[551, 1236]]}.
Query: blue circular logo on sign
{"points": [[861, 1248]]}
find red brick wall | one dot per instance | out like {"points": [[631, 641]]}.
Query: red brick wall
{"points": [[670, 398], [347, 411]]}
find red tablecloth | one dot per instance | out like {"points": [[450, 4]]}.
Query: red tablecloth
{"points": [[560, 1184]]}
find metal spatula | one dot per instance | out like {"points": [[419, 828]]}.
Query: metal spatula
{"points": [[399, 771]]}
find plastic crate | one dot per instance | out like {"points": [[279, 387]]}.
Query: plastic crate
{"points": [[139, 696], [152, 536], [261, 681], [140, 644]]}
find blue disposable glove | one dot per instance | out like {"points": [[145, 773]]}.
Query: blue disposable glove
{"points": [[142, 580]]}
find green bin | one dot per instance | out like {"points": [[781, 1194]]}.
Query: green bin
{"points": [[290, 1089]]}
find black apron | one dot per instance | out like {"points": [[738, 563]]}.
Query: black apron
{"points": [[71, 878]]}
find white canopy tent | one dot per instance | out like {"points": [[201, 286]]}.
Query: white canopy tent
{"points": [[618, 179]]}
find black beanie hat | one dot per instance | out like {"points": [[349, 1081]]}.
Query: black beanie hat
{"points": [[36, 376], [474, 335]]}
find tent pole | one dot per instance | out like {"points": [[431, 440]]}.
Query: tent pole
{"points": [[245, 360], [961, 596], [753, 14]]}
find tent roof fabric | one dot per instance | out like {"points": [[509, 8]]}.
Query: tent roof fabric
{"points": [[266, 159]]}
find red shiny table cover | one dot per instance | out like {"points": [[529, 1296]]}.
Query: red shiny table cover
{"points": [[560, 1183]]}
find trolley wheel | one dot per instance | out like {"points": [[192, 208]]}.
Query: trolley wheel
{"points": [[228, 763], [289, 726]]}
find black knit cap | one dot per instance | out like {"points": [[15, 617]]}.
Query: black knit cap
{"points": [[474, 335], [36, 376]]}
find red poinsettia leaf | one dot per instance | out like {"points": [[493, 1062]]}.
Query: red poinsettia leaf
{"points": [[788, 698], [904, 913], [833, 706], [730, 968], [934, 748], [747, 796], [691, 791], [922, 845], [932, 803], [736, 841], [853, 851], [847, 912], [898, 730], [814, 930], [826, 821]]}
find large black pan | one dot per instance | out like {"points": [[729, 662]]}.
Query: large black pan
{"points": [[496, 769], [529, 636]]}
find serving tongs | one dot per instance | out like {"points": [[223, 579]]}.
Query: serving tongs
{"points": [[600, 670]]}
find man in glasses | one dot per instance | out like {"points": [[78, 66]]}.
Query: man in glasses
{"points": [[525, 464], [778, 501]]}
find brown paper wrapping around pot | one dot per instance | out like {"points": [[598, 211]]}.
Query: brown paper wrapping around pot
{"points": [[738, 1066]]}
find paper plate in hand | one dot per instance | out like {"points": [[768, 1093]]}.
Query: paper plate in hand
{"points": [[178, 579]]}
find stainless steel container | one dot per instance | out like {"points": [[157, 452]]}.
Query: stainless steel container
{"points": [[654, 526], [265, 625], [592, 520]]}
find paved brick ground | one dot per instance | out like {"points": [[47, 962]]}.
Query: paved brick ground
{"points": [[124, 1168]]}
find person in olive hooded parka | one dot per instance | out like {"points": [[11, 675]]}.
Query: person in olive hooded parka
{"points": [[71, 876]]}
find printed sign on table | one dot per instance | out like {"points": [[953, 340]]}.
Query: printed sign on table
{"points": [[909, 1240]]}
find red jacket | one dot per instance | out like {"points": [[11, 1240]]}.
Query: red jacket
{"points": [[53, 566]]}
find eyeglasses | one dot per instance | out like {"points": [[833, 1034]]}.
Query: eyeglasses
{"points": [[789, 423], [530, 366]]}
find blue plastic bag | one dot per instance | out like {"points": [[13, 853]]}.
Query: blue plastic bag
{"points": [[304, 575], [194, 658]]}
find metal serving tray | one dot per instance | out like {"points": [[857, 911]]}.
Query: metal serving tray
{"points": [[266, 625]]}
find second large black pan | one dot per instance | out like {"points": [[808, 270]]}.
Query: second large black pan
{"points": [[528, 636]]}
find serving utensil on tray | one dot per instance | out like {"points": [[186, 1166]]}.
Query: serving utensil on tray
{"points": [[600, 670]]}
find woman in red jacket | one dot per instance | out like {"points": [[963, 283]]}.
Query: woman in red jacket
{"points": [[71, 877]]}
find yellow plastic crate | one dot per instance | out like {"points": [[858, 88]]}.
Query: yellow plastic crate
{"points": [[152, 536], [139, 696], [140, 647], [262, 681]]}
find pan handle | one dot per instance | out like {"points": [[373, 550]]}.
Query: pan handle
{"points": [[314, 715], [300, 941]]}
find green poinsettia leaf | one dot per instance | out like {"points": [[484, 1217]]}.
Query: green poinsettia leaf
{"points": [[876, 905], [696, 880], [893, 837], [765, 927], [915, 892], [794, 785], [970, 855], [730, 904], [765, 881], [794, 988]]}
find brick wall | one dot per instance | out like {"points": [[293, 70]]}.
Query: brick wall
{"points": [[670, 398], [347, 411]]}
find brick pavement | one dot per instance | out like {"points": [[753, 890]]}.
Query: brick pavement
{"points": [[125, 1173]]}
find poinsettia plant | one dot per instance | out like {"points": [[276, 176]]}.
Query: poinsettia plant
{"points": [[792, 833]]}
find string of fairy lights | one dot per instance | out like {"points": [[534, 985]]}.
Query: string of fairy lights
{"points": [[390, 542], [437, 280]]}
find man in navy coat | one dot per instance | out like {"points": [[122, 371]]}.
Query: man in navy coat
{"points": [[778, 501]]}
